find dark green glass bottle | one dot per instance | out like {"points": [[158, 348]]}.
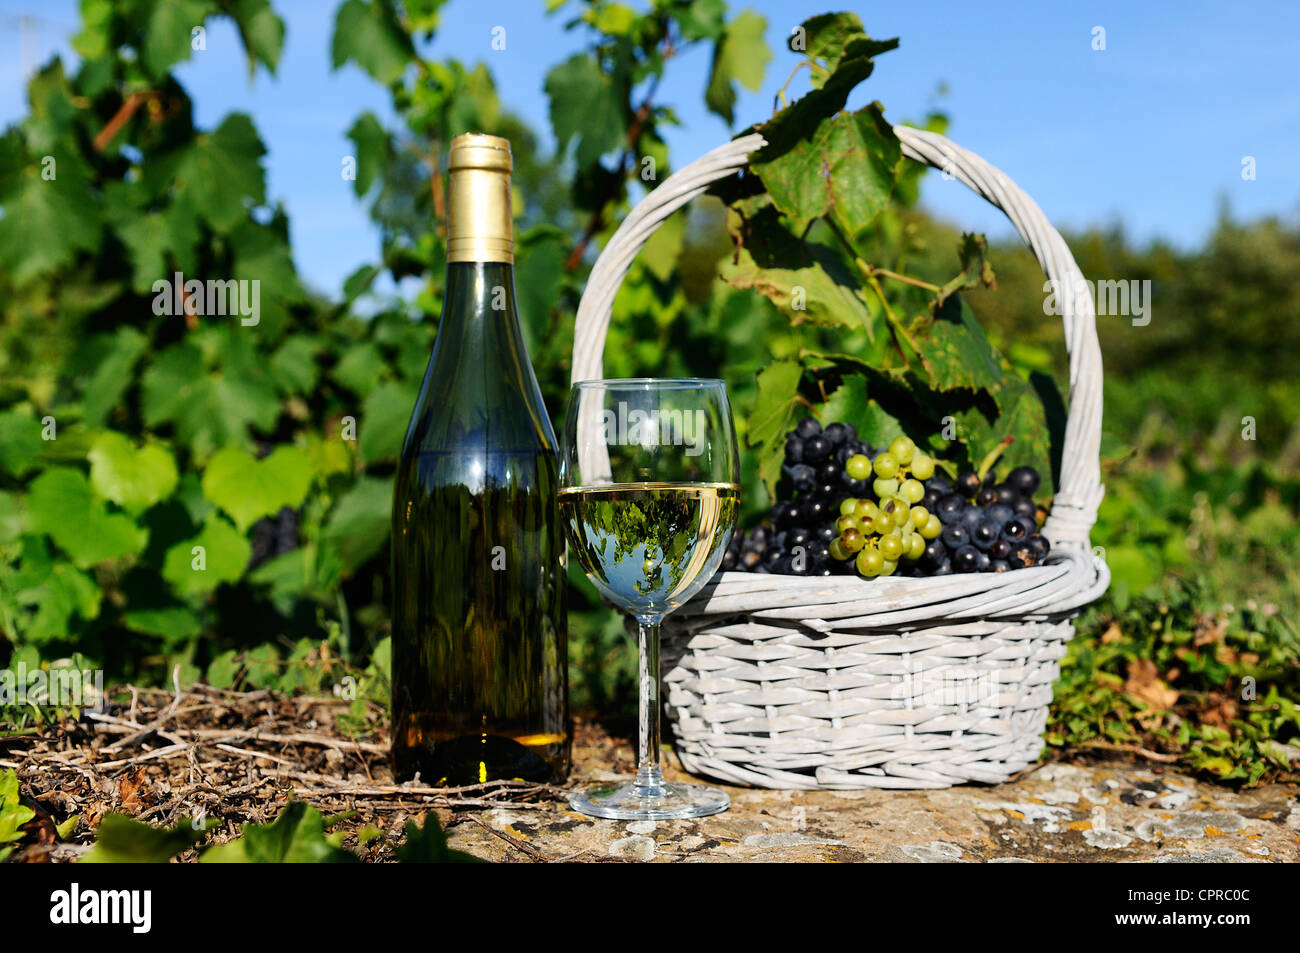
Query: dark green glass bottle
{"points": [[480, 672]]}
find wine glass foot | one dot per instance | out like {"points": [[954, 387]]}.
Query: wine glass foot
{"points": [[634, 802]]}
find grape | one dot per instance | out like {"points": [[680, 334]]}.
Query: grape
{"points": [[837, 550], [915, 546], [816, 449], [942, 569], [950, 508], [888, 568], [793, 449], [1017, 528], [802, 477], [848, 507], [902, 449], [870, 562], [826, 532], [797, 537], [852, 541], [780, 513], [965, 559], [808, 427], [829, 472], [935, 552], [858, 466], [955, 535], [1001, 549], [939, 485], [982, 561], [1025, 507], [885, 466], [891, 547], [845, 523], [987, 496], [855, 487], [1000, 513], [922, 466], [968, 484], [1039, 544], [836, 433], [912, 490], [1006, 494], [771, 554], [985, 534], [919, 515], [933, 527], [1025, 480], [883, 487], [999, 565]]}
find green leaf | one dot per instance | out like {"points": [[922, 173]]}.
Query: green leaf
{"points": [[807, 280], [13, 813], [360, 368], [366, 34], [845, 170], [740, 56], [224, 669], [221, 172], [115, 364], [261, 30], [297, 836], [384, 419], [134, 479], [223, 554], [124, 840], [358, 525], [371, 143], [428, 845], [45, 225], [586, 108], [62, 505], [174, 624], [20, 442], [850, 404], [167, 37], [249, 489], [774, 408], [55, 588], [293, 365], [11, 517]]}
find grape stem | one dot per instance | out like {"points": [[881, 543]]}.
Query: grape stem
{"points": [[992, 457]]}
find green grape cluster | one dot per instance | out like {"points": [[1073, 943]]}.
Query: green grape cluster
{"points": [[878, 534]]}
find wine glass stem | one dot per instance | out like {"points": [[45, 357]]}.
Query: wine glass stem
{"points": [[649, 777]]}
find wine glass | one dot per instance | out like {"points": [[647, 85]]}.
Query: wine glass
{"points": [[649, 493]]}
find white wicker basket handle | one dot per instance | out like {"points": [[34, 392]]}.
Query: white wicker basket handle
{"points": [[1074, 509]]}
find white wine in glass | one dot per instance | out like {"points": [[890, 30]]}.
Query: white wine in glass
{"points": [[649, 493]]}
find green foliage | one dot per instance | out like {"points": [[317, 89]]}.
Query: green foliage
{"points": [[428, 845], [908, 356], [296, 836], [124, 840], [13, 813]]}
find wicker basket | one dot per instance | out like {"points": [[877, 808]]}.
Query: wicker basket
{"points": [[841, 682]]}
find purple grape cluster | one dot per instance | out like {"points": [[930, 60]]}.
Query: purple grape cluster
{"points": [[988, 526], [813, 485]]}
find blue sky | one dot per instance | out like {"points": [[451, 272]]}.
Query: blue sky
{"points": [[1149, 133]]}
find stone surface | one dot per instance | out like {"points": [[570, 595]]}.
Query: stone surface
{"points": [[1107, 812]]}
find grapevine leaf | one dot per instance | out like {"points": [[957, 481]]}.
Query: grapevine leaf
{"points": [[845, 170], [772, 416], [807, 280], [134, 479], [740, 56], [975, 268], [428, 845], [45, 225], [20, 442], [174, 623], [371, 143], [359, 524], [124, 840], [262, 32], [366, 34], [851, 404], [56, 589], [168, 36], [219, 553], [297, 836], [384, 418], [586, 108], [293, 366], [221, 172], [62, 505], [249, 489]]}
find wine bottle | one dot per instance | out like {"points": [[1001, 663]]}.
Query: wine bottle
{"points": [[480, 670]]}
